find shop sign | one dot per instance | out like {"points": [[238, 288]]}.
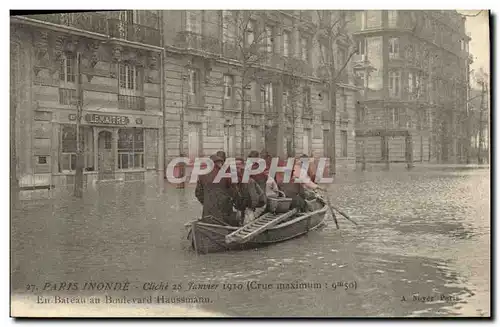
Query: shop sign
{"points": [[106, 119]]}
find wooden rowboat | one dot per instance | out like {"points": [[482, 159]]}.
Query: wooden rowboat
{"points": [[209, 237]]}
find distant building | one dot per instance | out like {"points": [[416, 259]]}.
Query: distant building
{"points": [[122, 126], [413, 66]]}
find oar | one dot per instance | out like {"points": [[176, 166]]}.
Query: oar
{"points": [[337, 209], [331, 209], [345, 216]]}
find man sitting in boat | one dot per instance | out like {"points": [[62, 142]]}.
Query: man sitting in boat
{"points": [[311, 188], [293, 190], [262, 177], [216, 198], [250, 199]]}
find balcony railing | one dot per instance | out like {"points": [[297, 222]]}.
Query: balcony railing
{"points": [[92, 22], [99, 23], [187, 39], [359, 58], [133, 32], [129, 102], [344, 116]]}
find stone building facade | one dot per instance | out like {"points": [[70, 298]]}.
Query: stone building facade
{"points": [[116, 59], [413, 67], [287, 103], [156, 84]]}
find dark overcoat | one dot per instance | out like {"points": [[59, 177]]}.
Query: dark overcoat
{"points": [[216, 198]]}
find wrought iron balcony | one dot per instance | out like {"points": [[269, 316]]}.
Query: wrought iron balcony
{"points": [[88, 21], [191, 40], [99, 23], [297, 66], [129, 102], [133, 32]]}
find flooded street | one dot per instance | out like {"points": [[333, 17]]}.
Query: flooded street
{"points": [[422, 248]]}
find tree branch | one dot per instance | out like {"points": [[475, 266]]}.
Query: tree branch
{"points": [[345, 65]]}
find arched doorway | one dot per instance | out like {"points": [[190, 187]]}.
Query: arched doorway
{"points": [[106, 158]]}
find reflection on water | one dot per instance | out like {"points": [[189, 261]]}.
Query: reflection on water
{"points": [[421, 248]]}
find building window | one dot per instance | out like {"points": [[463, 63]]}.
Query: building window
{"points": [[363, 20], [418, 86], [129, 77], [360, 113], [67, 96], [128, 16], [229, 26], [409, 52], [266, 97], [361, 46], [285, 99], [394, 83], [67, 161], [130, 148], [304, 49], [361, 78], [306, 101], [269, 39], [394, 118], [42, 160], [68, 148], [343, 143], [324, 53], [393, 18], [228, 87], [427, 23], [286, 43], [410, 83], [193, 20], [306, 141], [250, 33], [409, 119], [193, 82], [394, 47], [67, 73]]}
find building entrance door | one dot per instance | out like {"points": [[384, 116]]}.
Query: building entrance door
{"points": [[106, 159]]}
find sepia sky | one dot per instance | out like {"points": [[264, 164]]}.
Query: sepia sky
{"points": [[479, 47]]}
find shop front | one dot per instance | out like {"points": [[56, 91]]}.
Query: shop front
{"points": [[115, 147]]}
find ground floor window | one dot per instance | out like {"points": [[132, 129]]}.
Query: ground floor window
{"points": [[130, 148], [67, 160]]}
